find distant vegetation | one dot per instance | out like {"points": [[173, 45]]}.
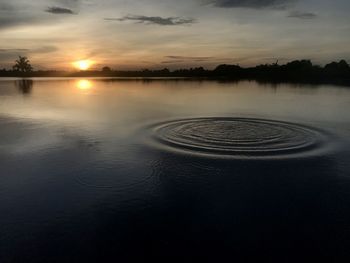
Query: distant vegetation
{"points": [[302, 71]]}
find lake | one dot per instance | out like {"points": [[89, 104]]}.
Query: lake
{"points": [[108, 170]]}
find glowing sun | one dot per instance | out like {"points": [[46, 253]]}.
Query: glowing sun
{"points": [[83, 64]]}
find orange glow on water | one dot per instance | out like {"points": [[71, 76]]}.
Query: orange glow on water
{"points": [[84, 84]]}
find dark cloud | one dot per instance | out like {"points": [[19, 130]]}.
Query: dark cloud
{"points": [[13, 50], [17, 14], [44, 49], [189, 59], [8, 54], [12, 20], [251, 3], [173, 61], [163, 21], [21, 51], [302, 15], [184, 58], [6, 7], [10, 16], [68, 3], [59, 10]]}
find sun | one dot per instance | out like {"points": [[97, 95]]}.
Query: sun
{"points": [[83, 64]]}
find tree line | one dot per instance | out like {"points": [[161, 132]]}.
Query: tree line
{"points": [[294, 71]]}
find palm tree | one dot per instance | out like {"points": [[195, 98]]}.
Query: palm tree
{"points": [[22, 65]]}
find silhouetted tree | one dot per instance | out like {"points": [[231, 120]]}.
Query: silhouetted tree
{"points": [[299, 65], [228, 70], [22, 65], [337, 68], [106, 69]]}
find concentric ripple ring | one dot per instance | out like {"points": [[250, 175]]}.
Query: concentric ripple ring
{"points": [[243, 137]]}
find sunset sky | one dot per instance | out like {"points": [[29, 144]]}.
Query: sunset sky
{"points": [[130, 34]]}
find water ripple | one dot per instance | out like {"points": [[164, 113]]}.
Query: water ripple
{"points": [[239, 137]]}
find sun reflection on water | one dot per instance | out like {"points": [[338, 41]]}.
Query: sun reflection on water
{"points": [[84, 84]]}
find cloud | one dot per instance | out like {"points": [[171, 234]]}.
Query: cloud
{"points": [[184, 58], [11, 15], [59, 10], [10, 21], [302, 15], [26, 51], [44, 49], [8, 55], [251, 3], [13, 50], [68, 3], [20, 13], [6, 7], [173, 61], [189, 59], [157, 20], [11, 53]]}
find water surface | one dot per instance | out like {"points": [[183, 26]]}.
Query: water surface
{"points": [[97, 170]]}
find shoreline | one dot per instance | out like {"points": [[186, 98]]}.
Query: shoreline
{"points": [[338, 82]]}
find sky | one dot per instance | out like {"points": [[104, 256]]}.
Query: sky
{"points": [[134, 34]]}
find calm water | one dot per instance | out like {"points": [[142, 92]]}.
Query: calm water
{"points": [[108, 171]]}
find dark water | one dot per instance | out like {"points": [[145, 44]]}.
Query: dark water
{"points": [[185, 171]]}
